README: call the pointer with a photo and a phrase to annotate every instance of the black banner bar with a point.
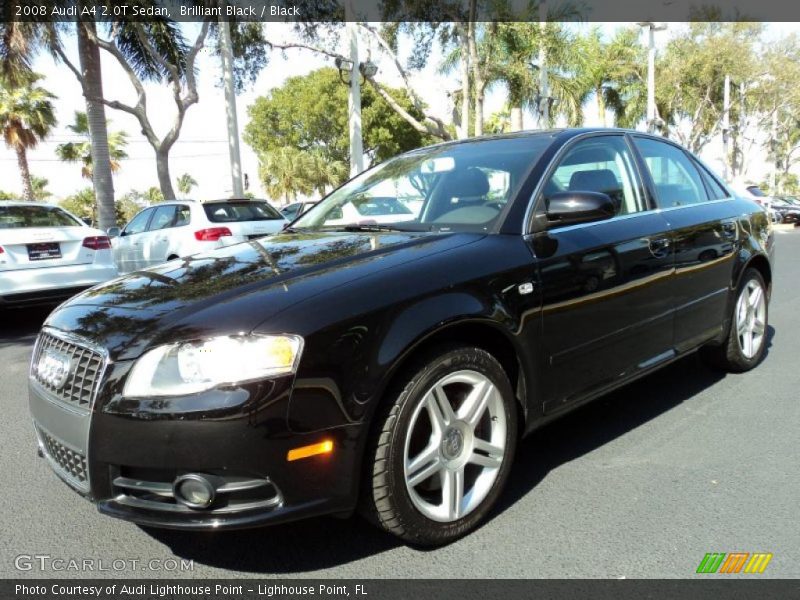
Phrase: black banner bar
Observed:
(400, 10)
(392, 589)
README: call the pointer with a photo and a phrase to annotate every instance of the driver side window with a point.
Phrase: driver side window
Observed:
(139, 223)
(599, 164)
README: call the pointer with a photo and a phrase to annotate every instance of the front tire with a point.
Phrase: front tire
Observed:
(443, 447)
(746, 343)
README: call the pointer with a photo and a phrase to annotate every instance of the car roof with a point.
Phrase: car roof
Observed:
(27, 203)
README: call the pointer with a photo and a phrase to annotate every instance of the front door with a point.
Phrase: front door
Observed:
(606, 294)
(127, 247)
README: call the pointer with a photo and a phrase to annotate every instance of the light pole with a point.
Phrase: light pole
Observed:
(237, 189)
(726, 126)
(651, 28)
(544, 92)
(350, 73)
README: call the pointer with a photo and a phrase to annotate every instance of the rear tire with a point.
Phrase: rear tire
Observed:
(442, 447)
(746, 343)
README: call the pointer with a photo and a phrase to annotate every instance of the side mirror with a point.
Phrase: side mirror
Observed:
(113, 232)
(569, 208)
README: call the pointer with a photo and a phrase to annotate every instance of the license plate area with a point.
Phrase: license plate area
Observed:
(44, 251)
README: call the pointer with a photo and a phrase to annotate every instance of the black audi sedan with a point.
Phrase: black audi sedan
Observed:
(390, 365)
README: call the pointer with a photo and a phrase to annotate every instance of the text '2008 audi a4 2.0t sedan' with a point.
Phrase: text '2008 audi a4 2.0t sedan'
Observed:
(392, 367)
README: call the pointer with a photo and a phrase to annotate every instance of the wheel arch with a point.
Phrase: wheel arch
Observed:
(480, 333)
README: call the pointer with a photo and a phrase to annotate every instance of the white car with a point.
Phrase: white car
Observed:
(47, 254)
(180, 228)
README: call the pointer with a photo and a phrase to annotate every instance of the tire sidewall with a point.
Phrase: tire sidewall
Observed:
(417, 526)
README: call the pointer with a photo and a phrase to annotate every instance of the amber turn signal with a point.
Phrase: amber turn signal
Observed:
(325, 447)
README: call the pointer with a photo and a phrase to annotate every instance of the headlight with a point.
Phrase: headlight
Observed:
(191, 367)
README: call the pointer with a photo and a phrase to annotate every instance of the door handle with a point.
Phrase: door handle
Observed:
(659, 247)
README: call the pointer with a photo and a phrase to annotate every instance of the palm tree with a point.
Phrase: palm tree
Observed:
(27, 116)
(82, 151)
(325, 173)
(39, 185)
(285, 173)
(185, 183)
(613, 71)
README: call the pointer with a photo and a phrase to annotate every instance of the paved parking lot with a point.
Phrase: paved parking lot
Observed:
(639, 484)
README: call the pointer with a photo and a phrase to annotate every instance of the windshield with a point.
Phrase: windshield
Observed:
(13, 217)
(756, 191)
(246, 210)
(458, 187)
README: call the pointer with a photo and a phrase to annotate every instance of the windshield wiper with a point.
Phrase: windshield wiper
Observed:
(369, 227)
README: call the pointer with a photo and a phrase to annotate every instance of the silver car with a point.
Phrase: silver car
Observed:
(180, 228)
(47, 254)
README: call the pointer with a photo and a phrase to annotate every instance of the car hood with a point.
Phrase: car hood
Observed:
(235, 288)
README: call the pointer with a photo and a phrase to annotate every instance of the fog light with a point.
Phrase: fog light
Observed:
(194, 491)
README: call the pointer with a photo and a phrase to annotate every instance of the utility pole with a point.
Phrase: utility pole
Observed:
(726, 126)
(544, 92)
(354, 97)
(237, 190)
(651, 28)
(773, 179)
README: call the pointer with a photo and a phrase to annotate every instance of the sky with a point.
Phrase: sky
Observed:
(202, 150)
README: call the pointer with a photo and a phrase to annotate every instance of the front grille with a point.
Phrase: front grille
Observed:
(70, 464)
(86, 369)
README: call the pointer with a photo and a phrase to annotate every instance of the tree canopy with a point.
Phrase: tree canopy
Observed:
(310, 113)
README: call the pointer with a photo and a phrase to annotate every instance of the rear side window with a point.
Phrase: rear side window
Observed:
(230, 212)
(677, 181)
(715, 190)
(183, 216)
(17, 217)
(162, 218)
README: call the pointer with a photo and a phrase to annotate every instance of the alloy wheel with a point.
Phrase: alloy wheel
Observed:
(455, 445)
(751, 310)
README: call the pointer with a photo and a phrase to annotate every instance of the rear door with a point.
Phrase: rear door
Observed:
(706, 236)
(606, 294)
(128, 246)
(157, 242)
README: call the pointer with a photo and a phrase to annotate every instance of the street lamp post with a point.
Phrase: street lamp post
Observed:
(651, 28)
(237, 190)
(544, 95)
(354, 104)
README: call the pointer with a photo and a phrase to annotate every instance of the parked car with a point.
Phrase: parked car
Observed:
(393, 366)
(171, 230)
(757, 195)
(295, 209)
(788, 209)
(47, 254)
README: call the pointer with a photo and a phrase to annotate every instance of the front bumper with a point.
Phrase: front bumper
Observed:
(124, 454)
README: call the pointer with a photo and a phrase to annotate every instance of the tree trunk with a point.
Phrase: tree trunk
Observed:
(89, 55)
(22, 160)
(164, 180)
(479, 114)
(601, 106)
(516, 118)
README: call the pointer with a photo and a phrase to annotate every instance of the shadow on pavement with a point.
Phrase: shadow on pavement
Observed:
(21, 325)
(327, 542)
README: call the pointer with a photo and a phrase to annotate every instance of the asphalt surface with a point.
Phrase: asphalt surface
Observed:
(641, 483)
